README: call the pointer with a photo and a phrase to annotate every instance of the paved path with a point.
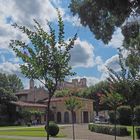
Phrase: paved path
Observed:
(81, 131)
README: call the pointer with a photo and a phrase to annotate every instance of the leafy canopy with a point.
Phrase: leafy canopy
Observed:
(72, 104)
(47, 57)
(9, 84)
(104, 16)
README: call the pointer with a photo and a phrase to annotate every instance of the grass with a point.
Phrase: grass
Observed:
(25, 131)
(9, 139)
(130, 128)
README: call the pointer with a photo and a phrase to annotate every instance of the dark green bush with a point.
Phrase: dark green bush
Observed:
(120, 131)
(53, 129)
(29, 124)
(125, 114)
(137, 115)
(112, 117)
(138, 132)
(108, 129)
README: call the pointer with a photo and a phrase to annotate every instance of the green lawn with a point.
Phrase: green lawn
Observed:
(25, 131)
(130, 128)
(9, 139)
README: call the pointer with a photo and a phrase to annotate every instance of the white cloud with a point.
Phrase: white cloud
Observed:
(82, 54)
(74, 20)
(117, 39)
(23, 13)
(112, 63)
(10, 68)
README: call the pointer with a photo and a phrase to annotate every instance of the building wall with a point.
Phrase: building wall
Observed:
(36, 94)
(87, 108)
(75, 83)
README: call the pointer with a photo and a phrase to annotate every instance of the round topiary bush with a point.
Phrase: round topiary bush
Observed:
(53, 129)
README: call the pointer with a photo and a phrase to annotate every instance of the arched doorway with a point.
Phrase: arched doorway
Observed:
(66, 117)
(85, 117)
(58, 117)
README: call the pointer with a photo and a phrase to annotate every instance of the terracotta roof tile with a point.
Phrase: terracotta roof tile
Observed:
(20, 103)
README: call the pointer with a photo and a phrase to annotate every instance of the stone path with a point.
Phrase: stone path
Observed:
(81, 131)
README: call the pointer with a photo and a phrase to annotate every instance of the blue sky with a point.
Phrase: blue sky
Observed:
(89, 56)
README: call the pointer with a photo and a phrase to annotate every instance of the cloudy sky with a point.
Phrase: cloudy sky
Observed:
(89, 57)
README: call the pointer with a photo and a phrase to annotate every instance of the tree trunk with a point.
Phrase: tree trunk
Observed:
(48, 117)
(115, 122)
(72, 116)
(133, 125)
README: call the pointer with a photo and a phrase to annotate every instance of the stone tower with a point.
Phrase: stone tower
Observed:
(83, 82)
(31, 84)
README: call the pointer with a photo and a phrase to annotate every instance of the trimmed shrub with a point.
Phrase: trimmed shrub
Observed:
(124, 115)
(138, 132)
(108, 129)
(53, 129)
(137, 114)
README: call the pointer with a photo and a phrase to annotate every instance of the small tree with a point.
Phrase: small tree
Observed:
(127, 83)
(46, 58)
(113, 100)
(72, 104)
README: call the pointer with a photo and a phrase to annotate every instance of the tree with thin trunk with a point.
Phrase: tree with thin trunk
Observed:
(46, 58)
(72, 104)
(127, 81)
(113, 100)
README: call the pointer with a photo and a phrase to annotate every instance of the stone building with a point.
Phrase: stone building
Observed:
(60, 114)
(33, 94)
(35, 99)
(74, 84)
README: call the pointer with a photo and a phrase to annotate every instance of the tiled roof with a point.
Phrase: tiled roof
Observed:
(57, 99)
(26, 91)
(26, 104)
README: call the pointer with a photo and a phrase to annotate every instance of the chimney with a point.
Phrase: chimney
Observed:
(31, 84)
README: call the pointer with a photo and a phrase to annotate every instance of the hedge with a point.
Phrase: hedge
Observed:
(108, 129)
(137, 115)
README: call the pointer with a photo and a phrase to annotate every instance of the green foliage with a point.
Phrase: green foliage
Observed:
(138, 132)
(102, 17)
(9, 84)
(25, 114)
(6, 96)
(72, 104)
(95, 92)
(14, 83)
(112, 99)
(125, 115)
(62, 93)
(112, 117)
(53, 129)
(108, 129)
(125, 84)
(47, 59)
